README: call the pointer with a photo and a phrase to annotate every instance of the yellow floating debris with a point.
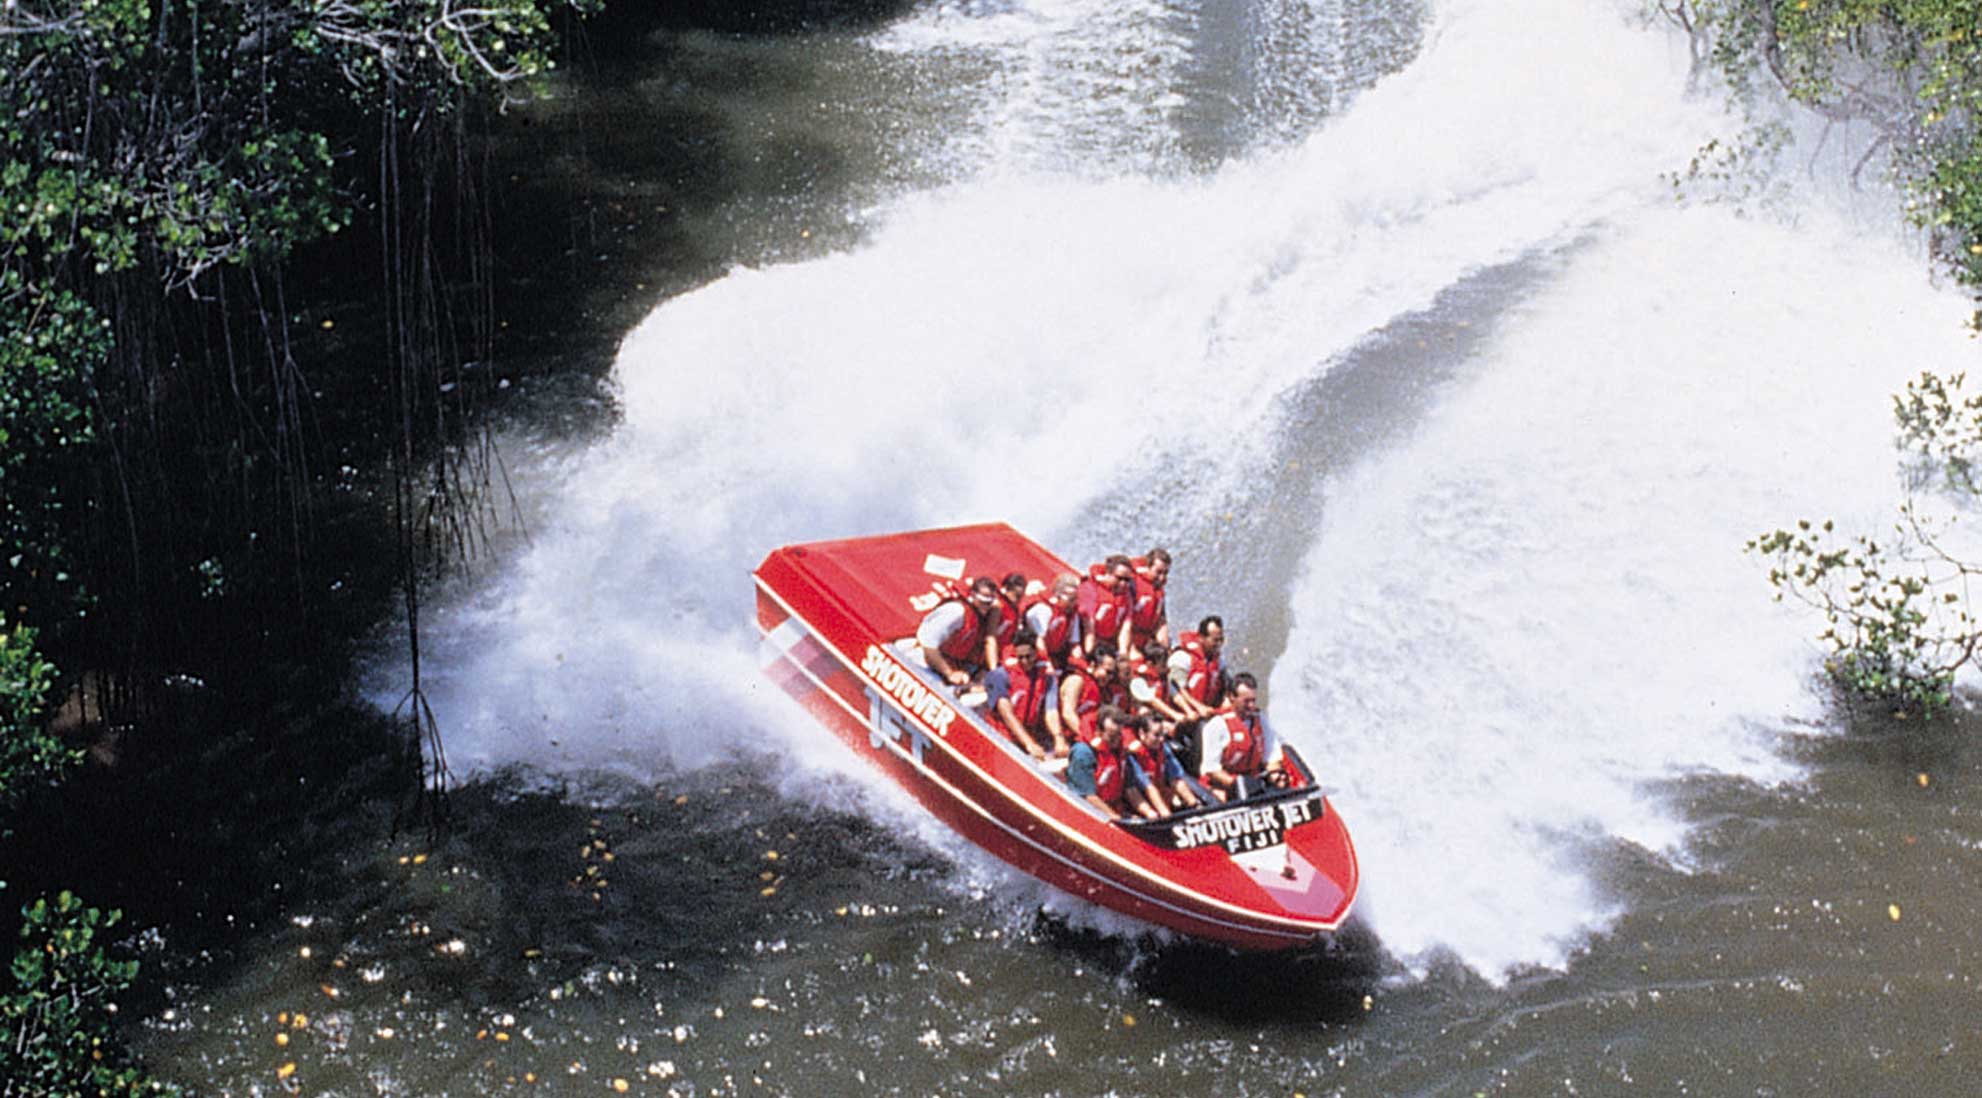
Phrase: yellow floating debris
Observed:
(529, 1076)
(329, 991)
(282, 1019)
(304, 953)
(286, 1070)
(300, 1021)
(481, 1035)
(770, 855)
(329, 324)
(1892, 912)
(1922, 779)
(769, 891)
(683, 799)
(1369, 1003)
(419, 859)
(1128, 1021)
(282, 1040)
(620, 1085)
(502, 1035)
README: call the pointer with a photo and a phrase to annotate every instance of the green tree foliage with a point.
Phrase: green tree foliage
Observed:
(30, 757)
(49, 341)
(161, 161)
(1911, 71)
(1899, 614)
(56, 1006)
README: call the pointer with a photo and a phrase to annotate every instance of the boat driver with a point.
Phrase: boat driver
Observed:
(956, 636)
(1239, 746)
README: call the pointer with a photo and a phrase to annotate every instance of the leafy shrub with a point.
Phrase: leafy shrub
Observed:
(56, 1010)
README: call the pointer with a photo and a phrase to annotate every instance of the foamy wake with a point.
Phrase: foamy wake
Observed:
(1509, 626)
(1516, 624)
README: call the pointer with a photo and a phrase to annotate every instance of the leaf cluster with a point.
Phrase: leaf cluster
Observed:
(55, 1011)
(30, 756)
(1899, 615)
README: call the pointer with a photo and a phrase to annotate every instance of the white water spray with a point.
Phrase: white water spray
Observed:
(1509, 624)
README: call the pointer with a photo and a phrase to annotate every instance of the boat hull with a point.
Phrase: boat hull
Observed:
(1272, 877)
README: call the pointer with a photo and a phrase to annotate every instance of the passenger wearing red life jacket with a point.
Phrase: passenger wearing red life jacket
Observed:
(957, 637)
(1197, 671)
(1095, 766)
(1145, 680)
(1087, 686)
(1155, 783)
(1106, 596)
(1054, 618)
(1011, 592)
(1022, 693)
(1238, 744)
(1149, 619)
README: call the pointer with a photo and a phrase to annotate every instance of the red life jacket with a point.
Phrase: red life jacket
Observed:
(1115, 694)
(1134, 748)
(1059, 634)
(966, 645)
(1090, 691)
(1008, 622)
(1108, 771)
(1028, 690)
(1104, 610)
(1145, 606)
(1202, 683)
(1245, 746)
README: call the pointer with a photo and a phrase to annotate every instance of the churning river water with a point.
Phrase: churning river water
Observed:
(1383, 317)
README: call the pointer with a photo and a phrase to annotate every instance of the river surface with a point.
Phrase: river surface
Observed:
(1384, 318)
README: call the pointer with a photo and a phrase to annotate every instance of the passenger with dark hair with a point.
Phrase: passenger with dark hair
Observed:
(1085, 687)
(1239, 745)
(1011, 592)
(1105, 598)
(1197, 669)
(1021, 694)
(1154, 770)
(957, 637)
(1095, 765)
(1144, 679)
(1054, 617)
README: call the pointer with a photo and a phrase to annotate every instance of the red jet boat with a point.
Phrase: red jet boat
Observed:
(1274, 871)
